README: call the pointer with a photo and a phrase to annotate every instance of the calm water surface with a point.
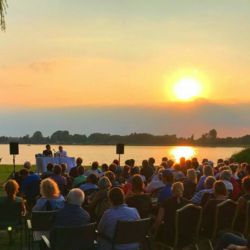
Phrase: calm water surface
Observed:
(106, 154)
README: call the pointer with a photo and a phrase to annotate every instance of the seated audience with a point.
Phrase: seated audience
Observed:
(166, 214)
(166, 192)
(209, 182)
(220, 195)
(81, 178)
(29, 187)
(156, 183)
(146, 170)
(49, 171)
(107, 225)
(94, 169)
(225, 177)
(72, 214)
(207, 171)
(241, 215)
(100, 202)
(112, 179)
(59, 179)
(11, 189)
(74, 171)
(190, 184)
(138, 199)
(91, 183)
(51, 199)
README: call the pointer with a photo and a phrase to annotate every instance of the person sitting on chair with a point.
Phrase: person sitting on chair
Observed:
(137, 197)
(166, 214)
(47, 152)
(51, 199)
(72, 214)
(11, 189)
(119, 212)
(61, 152)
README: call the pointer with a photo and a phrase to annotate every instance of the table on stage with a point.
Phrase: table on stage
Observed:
(42, 162)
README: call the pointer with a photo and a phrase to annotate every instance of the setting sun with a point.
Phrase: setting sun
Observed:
(187, 89)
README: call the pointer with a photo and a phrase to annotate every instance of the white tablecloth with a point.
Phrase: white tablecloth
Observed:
(42, 162)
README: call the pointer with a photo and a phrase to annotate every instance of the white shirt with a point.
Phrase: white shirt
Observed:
(61, 154)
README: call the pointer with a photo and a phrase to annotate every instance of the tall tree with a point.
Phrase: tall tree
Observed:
(3, 6)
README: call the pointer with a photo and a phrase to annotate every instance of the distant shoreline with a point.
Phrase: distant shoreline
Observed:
(143, 145)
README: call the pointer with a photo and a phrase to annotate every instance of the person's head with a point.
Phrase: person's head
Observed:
(182, 162)
(204, 161)
(104, 183)
(170, 163)
(164, 159)
(195, 163)
(76, 197)
(116, 196)
(11, 188)
(113, 167)
(167, 176)
(92, 178)
(80, 170)
(144, 163)
(110, 175)
(188, 164)
(105, 167)
(234, 167)
(49, 189)
(64, 167)
(132, 163)
(60, 148)
(126, 171)
(27, 165)
(226, 175)
(208, 170)
(220, 161)
(220, 189)
(178, 189)
(151, 161)
(95, 165)
(209, 182)
(192, 175)
(246, 184)
(57, 170)
(79, 161)
(116, 162)
(135, 170)
(164, 164)
(137, 184)
(177, 167)
(50, 167)
(48, 147)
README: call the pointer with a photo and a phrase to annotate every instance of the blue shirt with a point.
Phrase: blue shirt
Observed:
(56, 203)
(198, 196)
(108, 223)
(88, 186)
(30, 186)
(165, 193)
(72, 216)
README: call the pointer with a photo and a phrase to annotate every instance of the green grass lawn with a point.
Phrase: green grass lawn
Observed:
(5, 172)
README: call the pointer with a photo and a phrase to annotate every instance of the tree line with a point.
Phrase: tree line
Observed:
(64, 137)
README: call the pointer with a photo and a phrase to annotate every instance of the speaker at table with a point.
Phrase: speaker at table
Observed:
(120, 149)
(14, 148)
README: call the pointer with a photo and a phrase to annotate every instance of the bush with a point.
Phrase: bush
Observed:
(242, 156)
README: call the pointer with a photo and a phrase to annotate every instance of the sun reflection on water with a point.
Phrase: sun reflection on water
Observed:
(187, 152)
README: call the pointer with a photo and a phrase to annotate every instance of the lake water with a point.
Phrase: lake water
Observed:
(106, 154)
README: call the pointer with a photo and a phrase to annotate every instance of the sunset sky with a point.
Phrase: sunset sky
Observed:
(111, 66)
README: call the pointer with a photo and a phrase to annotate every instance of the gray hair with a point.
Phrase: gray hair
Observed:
(76, 197)
(27, 165)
